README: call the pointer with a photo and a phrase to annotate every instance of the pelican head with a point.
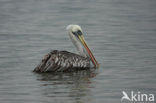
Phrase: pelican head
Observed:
(76, 35)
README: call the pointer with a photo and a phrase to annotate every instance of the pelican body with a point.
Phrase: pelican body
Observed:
(64, 61)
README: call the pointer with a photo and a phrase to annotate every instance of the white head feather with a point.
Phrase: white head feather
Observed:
(73, 28)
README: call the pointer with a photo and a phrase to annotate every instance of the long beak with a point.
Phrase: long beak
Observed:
(81, 38)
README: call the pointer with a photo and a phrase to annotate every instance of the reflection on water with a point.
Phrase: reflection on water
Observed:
(75, 85)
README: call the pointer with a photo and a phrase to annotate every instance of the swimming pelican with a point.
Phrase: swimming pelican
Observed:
(62, 61)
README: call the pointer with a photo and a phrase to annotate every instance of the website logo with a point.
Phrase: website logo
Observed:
(137, 97)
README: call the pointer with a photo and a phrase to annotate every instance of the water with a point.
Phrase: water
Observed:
(121, 34)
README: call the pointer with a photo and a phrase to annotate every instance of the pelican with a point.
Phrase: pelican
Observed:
(64, 61)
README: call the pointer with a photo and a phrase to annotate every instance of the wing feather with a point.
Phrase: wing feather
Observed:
(60, 61)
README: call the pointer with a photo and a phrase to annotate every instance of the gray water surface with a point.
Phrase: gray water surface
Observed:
(120, 33)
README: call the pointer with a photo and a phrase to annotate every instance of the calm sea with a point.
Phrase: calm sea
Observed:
(120, 33)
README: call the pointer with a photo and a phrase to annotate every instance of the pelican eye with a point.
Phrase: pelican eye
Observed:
(77, 33)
